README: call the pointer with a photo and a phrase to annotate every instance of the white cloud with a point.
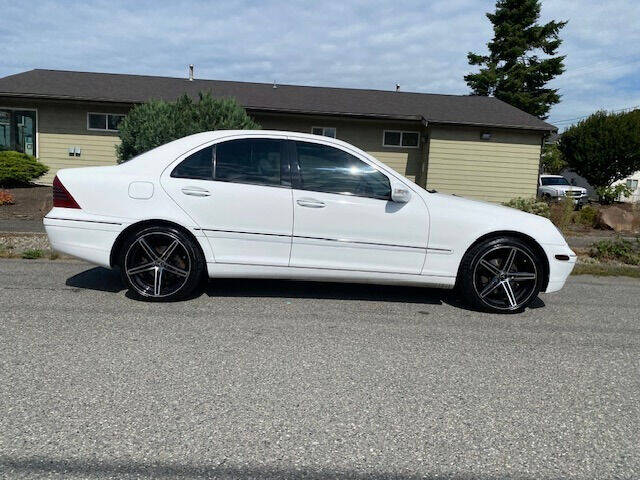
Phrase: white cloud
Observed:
(365, 44)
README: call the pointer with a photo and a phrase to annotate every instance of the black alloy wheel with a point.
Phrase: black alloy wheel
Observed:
(501, 275)
(161, 264)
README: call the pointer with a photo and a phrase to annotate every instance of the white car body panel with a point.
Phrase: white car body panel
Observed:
(263, 232)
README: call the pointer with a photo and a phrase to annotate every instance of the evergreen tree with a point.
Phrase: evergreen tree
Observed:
(514, 71)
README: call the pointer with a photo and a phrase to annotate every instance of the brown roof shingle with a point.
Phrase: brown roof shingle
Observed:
(434, 108)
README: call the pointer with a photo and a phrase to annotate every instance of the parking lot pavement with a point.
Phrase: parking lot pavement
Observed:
(265, 379)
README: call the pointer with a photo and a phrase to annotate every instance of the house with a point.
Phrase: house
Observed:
(633, 184)
(478, 147)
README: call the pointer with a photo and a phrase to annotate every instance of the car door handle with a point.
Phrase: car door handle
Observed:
(196, 191)
(310, 203)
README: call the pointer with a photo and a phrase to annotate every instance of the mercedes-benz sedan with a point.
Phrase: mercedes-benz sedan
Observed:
(271, 204)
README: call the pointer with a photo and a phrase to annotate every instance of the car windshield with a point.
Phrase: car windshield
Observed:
(554, 181)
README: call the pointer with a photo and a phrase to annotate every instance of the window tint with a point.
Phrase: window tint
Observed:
(198, 165)
(328, 169)
(255, 161)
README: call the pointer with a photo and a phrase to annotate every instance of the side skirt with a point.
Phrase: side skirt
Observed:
(230, 270)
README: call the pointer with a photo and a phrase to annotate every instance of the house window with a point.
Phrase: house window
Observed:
(324, 131)
(18, 130)
(632, 184)
(104, 121)
(397, 138)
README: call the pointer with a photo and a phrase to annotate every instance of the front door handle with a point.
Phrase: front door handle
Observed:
(196, 191)
(310, 203)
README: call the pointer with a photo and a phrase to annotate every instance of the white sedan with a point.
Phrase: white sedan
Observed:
(271, 204)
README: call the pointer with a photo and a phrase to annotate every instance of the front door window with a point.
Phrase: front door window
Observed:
(18, 131)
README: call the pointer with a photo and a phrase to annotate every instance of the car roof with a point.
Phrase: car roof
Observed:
(148, 161)
(551, 176)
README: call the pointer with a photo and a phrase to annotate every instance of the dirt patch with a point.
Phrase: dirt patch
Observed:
(31, 203)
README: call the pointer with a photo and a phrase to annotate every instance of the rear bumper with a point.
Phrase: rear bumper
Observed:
(84, 238)
(559, 269)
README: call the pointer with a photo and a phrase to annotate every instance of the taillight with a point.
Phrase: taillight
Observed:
(61, 196)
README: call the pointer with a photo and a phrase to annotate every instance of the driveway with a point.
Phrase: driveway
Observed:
(257, 379)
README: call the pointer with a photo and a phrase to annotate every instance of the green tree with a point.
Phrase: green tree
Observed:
(514, 71)
(552, 160)
(157, 122)
(603, 148)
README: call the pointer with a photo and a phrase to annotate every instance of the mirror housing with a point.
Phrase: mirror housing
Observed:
(400, 194)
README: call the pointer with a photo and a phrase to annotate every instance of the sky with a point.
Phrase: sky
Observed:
(421, 45)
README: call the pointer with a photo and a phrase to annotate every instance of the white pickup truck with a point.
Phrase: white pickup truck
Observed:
(556, 187)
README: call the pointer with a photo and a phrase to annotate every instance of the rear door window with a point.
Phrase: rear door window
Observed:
(254, 161)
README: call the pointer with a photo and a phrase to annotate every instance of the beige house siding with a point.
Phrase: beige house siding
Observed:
(96, 150)
(364, 134)
(61, 125)
(496, 170)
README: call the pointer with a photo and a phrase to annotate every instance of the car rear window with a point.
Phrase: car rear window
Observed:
(198, 165)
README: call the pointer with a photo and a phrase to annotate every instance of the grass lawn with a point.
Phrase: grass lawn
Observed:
(606, 270)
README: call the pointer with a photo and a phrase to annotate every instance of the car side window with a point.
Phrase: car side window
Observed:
(255, 161)
(331, 170)
(198, 165)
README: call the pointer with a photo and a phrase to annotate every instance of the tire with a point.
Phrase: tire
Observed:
(500, 275)
(160, 264)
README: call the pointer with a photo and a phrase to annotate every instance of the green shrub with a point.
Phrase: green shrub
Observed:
(32, 253)
(610, 194)
(158, 122)
(19, 169)
(620, 250)
(529, 205)
(588, 216)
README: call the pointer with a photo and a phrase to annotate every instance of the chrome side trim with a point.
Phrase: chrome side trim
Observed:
(341, 240)
(439, 250)
(78, 220)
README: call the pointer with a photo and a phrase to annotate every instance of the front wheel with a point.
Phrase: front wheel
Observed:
(501, 275)
(160, 264)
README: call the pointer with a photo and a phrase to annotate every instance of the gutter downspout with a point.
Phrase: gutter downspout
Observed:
(425, 154)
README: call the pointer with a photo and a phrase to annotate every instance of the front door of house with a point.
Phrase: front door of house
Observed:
(18, 130)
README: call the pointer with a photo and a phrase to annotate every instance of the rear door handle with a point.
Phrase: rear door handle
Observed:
(196, 191)
(311, 203)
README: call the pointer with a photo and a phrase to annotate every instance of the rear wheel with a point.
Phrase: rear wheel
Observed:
(160, 264)
(501, 275)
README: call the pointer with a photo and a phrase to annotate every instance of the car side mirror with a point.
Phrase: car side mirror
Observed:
(400, 194)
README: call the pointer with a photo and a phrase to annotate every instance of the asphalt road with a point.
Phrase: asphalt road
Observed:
(18, 225)
(265, 379)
